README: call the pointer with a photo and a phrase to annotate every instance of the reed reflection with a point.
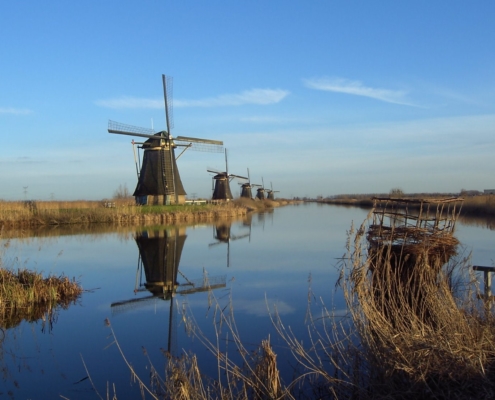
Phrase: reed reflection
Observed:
(160, 251)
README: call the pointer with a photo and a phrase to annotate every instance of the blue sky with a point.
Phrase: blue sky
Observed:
(315, 97)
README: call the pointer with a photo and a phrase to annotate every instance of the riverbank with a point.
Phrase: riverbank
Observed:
(475, 206)
(123, 212)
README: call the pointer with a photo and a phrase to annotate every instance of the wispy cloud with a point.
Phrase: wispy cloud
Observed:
(253, 96)
(347, 86)
(15, 111)
(262, 120)
(130, 102)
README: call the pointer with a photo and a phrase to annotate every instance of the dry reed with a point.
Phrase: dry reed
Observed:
(27, 295)
(122, 212)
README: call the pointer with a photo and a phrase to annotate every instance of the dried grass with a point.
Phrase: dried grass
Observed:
(27, 295)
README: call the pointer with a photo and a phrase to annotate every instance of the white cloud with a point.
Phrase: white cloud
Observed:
(15, 111)
(130, 102)
(253, 96)
(342, 85)
(262, 120)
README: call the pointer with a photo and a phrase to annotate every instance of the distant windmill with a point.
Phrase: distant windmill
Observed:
(246, 188)
(270, 194)
(158, 178)
(260, 192)
(223, 235)
(159, 257)
(221, 182)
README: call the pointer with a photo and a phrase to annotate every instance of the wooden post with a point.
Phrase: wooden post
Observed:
(487, 279)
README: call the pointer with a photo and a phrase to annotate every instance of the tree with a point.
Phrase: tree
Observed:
(122, 192)
(396, 192)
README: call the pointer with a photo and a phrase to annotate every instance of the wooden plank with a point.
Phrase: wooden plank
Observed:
(482, 268)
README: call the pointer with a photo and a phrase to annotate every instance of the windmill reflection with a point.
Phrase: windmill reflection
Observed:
(222, 233)
(160, 251)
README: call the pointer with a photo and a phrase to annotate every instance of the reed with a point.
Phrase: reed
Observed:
(121, 212)
(27, 295)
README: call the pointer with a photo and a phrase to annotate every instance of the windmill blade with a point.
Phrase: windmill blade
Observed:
(212, 146)
(238, 176)
(199, 140)
(215, 243)
(119, 307)
(167, 97)
(226, 164)
(239, 236)
(203, 288)
(131, 130)
(214, 171)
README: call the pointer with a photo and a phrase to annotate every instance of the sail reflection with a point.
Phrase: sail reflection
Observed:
(223, 235)
(160, 252)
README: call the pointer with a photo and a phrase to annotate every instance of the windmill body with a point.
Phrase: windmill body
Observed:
(246, 188)
(221, 189)
(260, 193)
(159, 181)
(271, 193)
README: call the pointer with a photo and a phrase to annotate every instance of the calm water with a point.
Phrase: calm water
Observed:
(265, 262)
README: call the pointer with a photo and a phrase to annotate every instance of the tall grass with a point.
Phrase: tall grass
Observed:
(121, 212)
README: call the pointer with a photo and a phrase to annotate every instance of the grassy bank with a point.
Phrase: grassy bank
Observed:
(482, 205)
(121, 212)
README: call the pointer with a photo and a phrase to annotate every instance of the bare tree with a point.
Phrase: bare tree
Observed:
(122, 192)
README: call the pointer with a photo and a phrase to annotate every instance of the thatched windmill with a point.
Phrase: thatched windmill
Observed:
(159, 257)
(246, 188)
(221, 182)
(158, 177)
(271, 193)
(260, 192)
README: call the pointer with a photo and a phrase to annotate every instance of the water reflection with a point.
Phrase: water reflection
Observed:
(222, 233)
(160, 251)
(486, 222)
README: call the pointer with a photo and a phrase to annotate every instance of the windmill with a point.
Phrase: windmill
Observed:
(158, 177)
(270, 195)
(222, 233)
(159, 257)
(260, 192)
(246, 187)
(221, 182)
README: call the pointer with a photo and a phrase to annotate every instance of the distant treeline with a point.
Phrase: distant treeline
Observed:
(477, 205)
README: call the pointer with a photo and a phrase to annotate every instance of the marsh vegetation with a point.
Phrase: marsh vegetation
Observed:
(121, 212)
